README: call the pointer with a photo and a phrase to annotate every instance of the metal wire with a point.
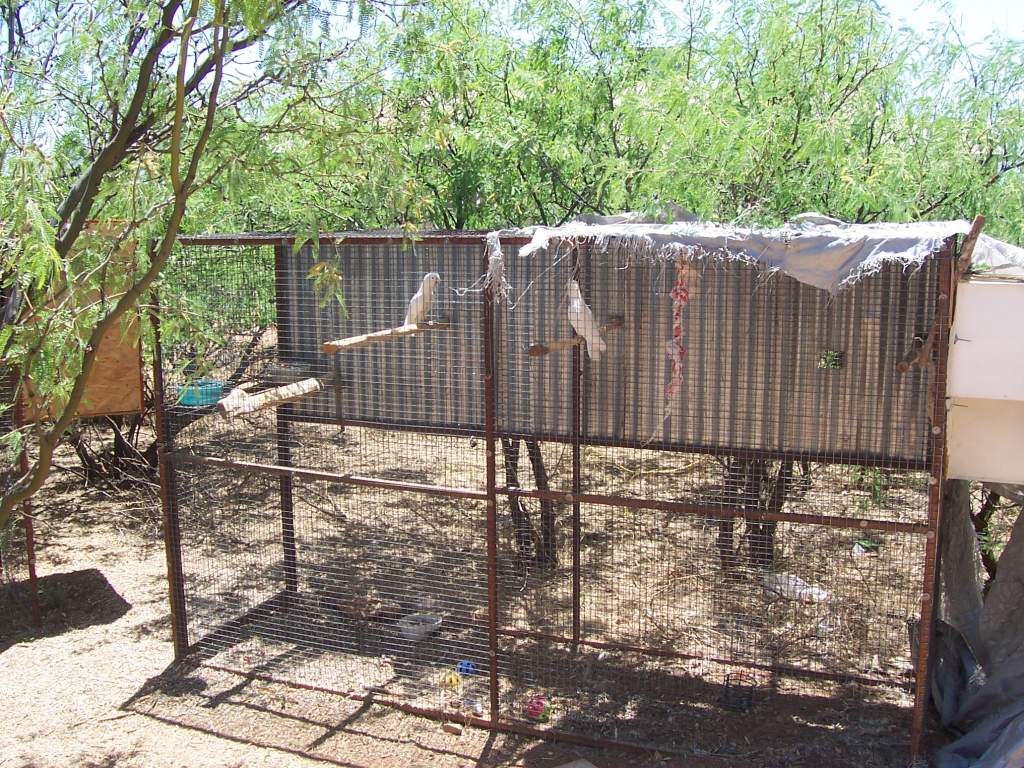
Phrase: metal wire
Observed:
(19, 598)
(750, 524)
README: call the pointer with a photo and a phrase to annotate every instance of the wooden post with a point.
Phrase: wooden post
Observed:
(284, 459)
(280, 396)
(169, 497)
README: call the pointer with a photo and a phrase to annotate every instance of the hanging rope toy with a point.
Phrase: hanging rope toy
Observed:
(495, 277)
(674, 347)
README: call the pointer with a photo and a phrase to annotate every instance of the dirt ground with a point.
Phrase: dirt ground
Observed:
(95, 686)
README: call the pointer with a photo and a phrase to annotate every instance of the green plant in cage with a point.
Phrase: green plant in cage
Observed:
(327, 282)
(873, 481)
(830, 360)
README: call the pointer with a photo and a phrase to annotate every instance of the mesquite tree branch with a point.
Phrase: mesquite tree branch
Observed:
(32, 480)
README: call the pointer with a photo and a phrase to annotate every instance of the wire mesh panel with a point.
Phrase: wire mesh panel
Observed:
(322, 595)
(19, 607)
(431, 380)
(710, 487)
(16, 587)
(269, 311)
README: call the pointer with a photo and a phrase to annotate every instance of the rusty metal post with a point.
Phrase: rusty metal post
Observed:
(936, 475)
(577, 375)
(168, 495)
(283, 436)
(492, 497)
(283, 427)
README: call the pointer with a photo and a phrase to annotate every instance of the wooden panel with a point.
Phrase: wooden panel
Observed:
(753, 374)
(114, 386)
(984, 359)
(986, 440)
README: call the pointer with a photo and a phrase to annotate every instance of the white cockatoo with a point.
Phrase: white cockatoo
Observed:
(583, 322)
(419, 306)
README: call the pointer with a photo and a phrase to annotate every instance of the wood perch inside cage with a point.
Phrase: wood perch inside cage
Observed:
(239, 402)
(365, 339)
(541, 348)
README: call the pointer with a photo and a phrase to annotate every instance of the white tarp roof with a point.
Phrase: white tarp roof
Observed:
(814, 249)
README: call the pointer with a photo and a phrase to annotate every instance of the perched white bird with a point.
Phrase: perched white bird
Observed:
(790, 587)
(583, 322)
(419, 306)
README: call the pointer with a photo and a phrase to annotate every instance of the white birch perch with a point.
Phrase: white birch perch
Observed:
(365, 339)
(559, 345)
(239, 401)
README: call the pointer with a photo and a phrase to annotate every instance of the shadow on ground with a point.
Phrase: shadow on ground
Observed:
(340, 731)
(67, 601)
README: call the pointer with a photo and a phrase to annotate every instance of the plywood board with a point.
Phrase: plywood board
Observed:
(114, 386)
(984, 350)
(986, 440)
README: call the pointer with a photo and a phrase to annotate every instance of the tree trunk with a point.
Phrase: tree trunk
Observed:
(1000, 618)
(732, 495)
(961, 585)
(761, 535)
(520, 518)
(547, 551)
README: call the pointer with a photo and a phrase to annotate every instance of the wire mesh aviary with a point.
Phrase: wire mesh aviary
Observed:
(678, 502)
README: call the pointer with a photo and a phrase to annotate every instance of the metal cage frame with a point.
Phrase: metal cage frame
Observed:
(172, 461)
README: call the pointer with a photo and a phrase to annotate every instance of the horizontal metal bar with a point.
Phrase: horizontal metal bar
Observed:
(673, 654)
(719, 511)
(345, 238)
(830, 457)
(179, 457)
(473, 430)
(504, 725)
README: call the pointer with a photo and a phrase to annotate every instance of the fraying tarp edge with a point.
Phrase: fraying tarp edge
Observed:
(815, 250)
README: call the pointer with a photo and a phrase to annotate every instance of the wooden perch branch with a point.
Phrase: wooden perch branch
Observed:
(239, 401)
(546, 347)
(365, 339)
(967, 248)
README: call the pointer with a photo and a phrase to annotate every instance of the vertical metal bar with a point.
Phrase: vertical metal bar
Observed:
(283, 418)
(284, 439)
(937, 463)
(577, 375)
(26, 521)
(168, 496)
(282, 305)
(492, 497)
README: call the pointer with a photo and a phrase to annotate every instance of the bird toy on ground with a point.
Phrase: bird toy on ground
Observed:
(465, 668)
(538, 708)
(420, 304)
(451, 679)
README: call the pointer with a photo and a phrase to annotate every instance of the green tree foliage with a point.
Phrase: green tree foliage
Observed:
(466, 114)
(116, 110)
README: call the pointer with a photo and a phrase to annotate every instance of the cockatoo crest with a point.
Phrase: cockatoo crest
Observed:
(419, 305)
(583, 322)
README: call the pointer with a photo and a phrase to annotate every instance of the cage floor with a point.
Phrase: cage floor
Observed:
(688, 706)
(683, 649)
